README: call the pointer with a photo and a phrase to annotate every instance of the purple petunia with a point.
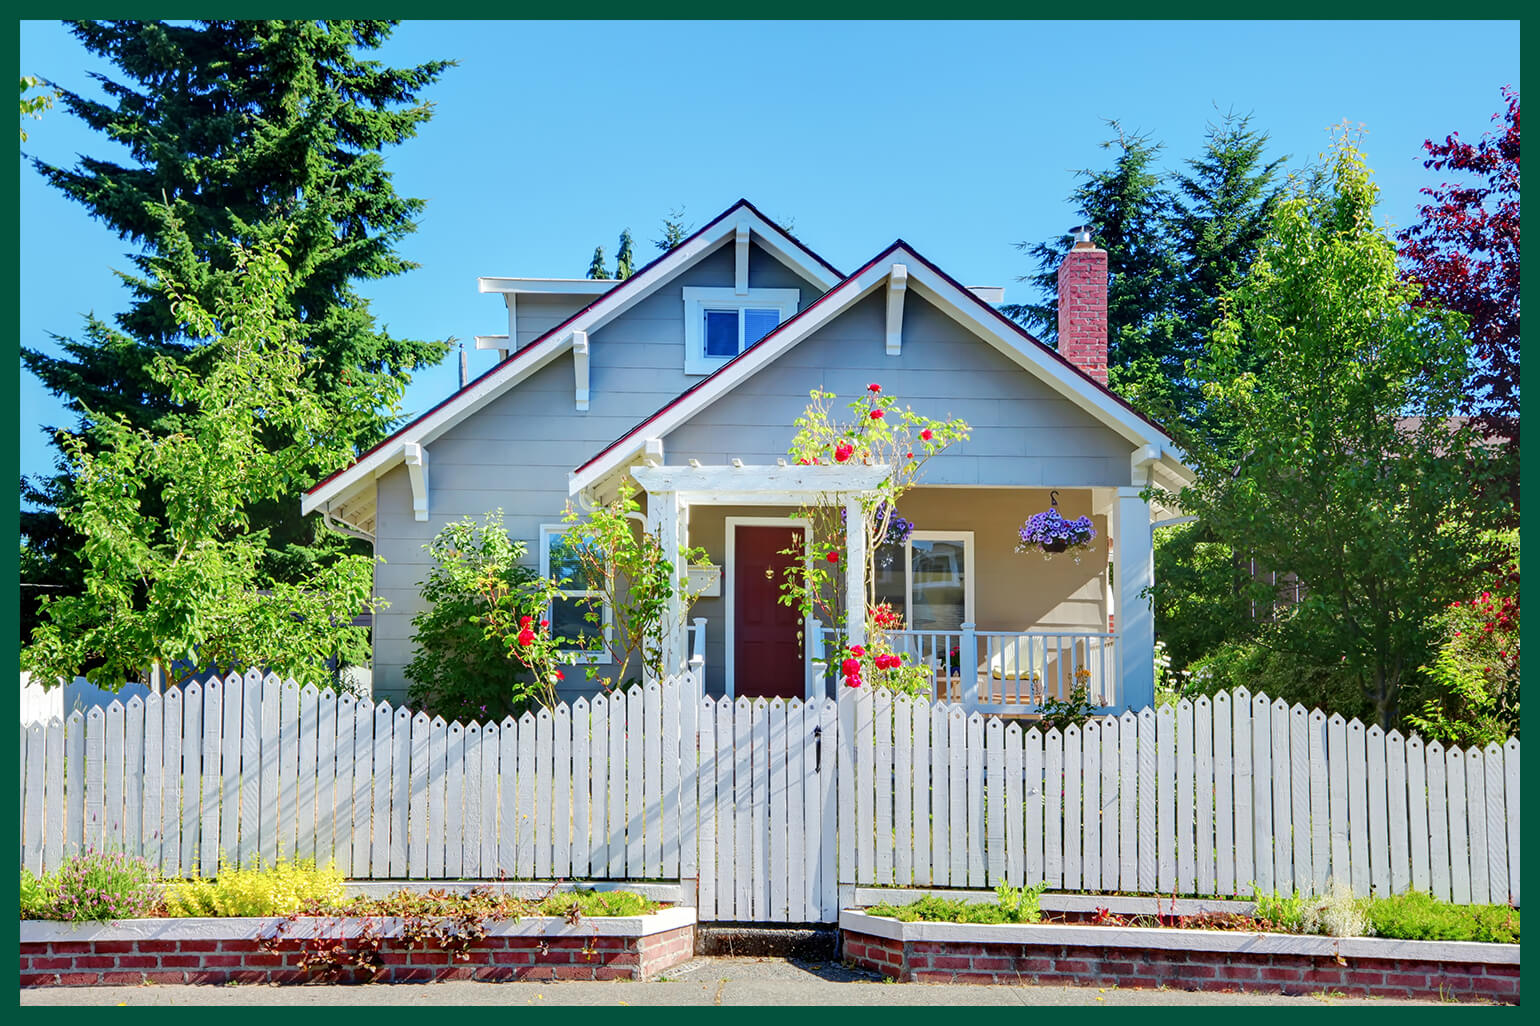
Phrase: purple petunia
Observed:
(1049, 526)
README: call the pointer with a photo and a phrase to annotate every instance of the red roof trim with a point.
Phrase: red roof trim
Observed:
(896, 245)
(527, 350)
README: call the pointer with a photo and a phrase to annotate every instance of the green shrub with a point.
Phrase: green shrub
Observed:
(1418, 916)
(597, 903)
(37, 895)
(1011, 905)
(98, 886)
(284, 887)
(1337, 914)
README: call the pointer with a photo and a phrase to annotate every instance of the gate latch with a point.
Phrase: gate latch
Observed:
(817, 748)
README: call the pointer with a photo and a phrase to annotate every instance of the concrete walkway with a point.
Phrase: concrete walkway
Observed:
(705, 981)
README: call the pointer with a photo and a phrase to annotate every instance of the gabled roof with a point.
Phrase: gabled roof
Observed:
(993, 327)
(604, 308)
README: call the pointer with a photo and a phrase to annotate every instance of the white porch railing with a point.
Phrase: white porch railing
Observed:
(1012, 672)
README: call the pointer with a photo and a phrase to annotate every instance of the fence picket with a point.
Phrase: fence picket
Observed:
(1165, 799)
(674, 758)
(454, 801)
(706, 805)
(797, 835)
(1320, 817)
(229, 740)
(368, 749)
(778, 908)
(561, 793)
(267, 776)
(1417, 812)
(1438, 820)
(743, 810)
(651, 816)
(91, 807)
(1015, 862)
(55, 800)
(903, 790)
(348, 758)
(1459, 828)
(133, 775)
(399, 779)
(326, 776)
(1203, 766)
(1282, 798)
(599, 779)
(976, 825)
(1303, 874)
(1186, 749)
(865, 767)
(34, 757)
(1497, 835)
(1091, 796)
(919, 792)
(305, 816)
(1476, 822)
(1395, 794)
(635, 780)
(1241, 791)
(957, 819)
(487, 804)
(1148, 761)
(882, 777)
(170, 783)
(759, 793)
(1511, 803)
(1379, 833)
(1224, 797)
(941, 793)
(508, 799)
(1356, 780)
(192, 776)
(250, 847)
(528, 790)
(725, 759)
(582, 765)
(416, 834)
(112, 789)
(1262, 792)
(995, 814)
(1036, 832)
(1053, 813)
(828, 881)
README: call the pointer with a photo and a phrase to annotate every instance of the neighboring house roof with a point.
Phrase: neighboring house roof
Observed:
(476, 394)
(936, 285)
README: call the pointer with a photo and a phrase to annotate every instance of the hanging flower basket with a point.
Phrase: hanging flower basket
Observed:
(1048, 532)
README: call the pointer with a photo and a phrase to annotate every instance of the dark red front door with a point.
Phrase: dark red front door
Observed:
(767, 657)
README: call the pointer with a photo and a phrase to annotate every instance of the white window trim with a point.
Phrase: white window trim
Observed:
(966, 537)
(730, 527)
(697, 300)
(547, 532)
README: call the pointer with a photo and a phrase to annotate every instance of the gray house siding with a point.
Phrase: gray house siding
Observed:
(1024, 432)
(516, 452)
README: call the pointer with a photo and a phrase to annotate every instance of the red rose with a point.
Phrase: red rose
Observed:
(850, 667)
(857, 650)
(875, 414)
(544, 624)
(874, 388)
(833, 557)
(526, 638)
(525, 621)
(843, 452)
(852, 682)
(560, 675)
(927, 434)
(909, 455)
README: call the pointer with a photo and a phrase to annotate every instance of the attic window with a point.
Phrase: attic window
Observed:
(720, 323)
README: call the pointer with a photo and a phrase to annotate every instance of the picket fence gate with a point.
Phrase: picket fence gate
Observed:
(774, 808)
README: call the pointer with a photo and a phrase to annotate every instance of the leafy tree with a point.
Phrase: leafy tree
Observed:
(1315, 468)
(457, 671)
(249, 131)
(33, 106)
(675, 231)
(624, 256)
(1465, 253)
(181, 583)
(596, 268)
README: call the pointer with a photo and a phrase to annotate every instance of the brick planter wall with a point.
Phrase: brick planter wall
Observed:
(215, 951)
(1180, 959)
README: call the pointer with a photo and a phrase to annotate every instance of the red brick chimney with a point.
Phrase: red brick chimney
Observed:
(1083, 306)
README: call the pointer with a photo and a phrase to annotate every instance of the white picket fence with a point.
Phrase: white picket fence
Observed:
(1233, 796)
(772, 806)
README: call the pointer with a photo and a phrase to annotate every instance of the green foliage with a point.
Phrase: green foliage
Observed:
(38, 894)
(1337, 914)
(625, 256)
(97, 886)
(1320, 356)
(597, 903)
(250, 132)
(1011, 905)
(180, 581)
(1418, 916)
(596, 268)
(1469, 694)
(1201, 596)
(626, 571)
(674, 229)
(1073, 711)
(33, 106)
(1284, 662)
(280, 889)
(457, 671)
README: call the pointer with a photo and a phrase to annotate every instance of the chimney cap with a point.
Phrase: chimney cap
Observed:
(1081, 234)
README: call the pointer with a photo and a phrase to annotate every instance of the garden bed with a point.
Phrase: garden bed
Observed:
(276, 949)
(1193, 959)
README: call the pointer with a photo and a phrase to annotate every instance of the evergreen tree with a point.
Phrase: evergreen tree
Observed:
(596, 268)
(1128, 207)
(624, 256)
(243, 132)
(675, 231)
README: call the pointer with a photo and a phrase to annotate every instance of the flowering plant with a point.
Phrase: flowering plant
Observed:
(1049, 532)
(101, 886)
(878, 664)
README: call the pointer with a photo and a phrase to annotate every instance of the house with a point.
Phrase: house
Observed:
(684, 379)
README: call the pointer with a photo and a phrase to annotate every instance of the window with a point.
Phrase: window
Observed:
(719, 323)
(929, 580)
(569, 613)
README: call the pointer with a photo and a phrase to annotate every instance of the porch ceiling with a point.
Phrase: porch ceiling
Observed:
(759, 485)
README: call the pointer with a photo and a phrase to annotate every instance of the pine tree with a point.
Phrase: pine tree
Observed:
(596, 268)
(1128, 207)
(243, 132)
(624, 256)
(675, 231)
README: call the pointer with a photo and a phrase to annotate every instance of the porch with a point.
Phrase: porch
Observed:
(998, 631)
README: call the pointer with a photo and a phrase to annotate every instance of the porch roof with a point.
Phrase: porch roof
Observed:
(777, 485)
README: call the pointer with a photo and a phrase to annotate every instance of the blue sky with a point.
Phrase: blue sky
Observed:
(960, 137)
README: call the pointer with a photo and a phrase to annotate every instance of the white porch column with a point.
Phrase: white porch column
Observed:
(1134, 570)
(855, 573)
(663, 507)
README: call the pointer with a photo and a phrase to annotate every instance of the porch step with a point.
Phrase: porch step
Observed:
(811, 941)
